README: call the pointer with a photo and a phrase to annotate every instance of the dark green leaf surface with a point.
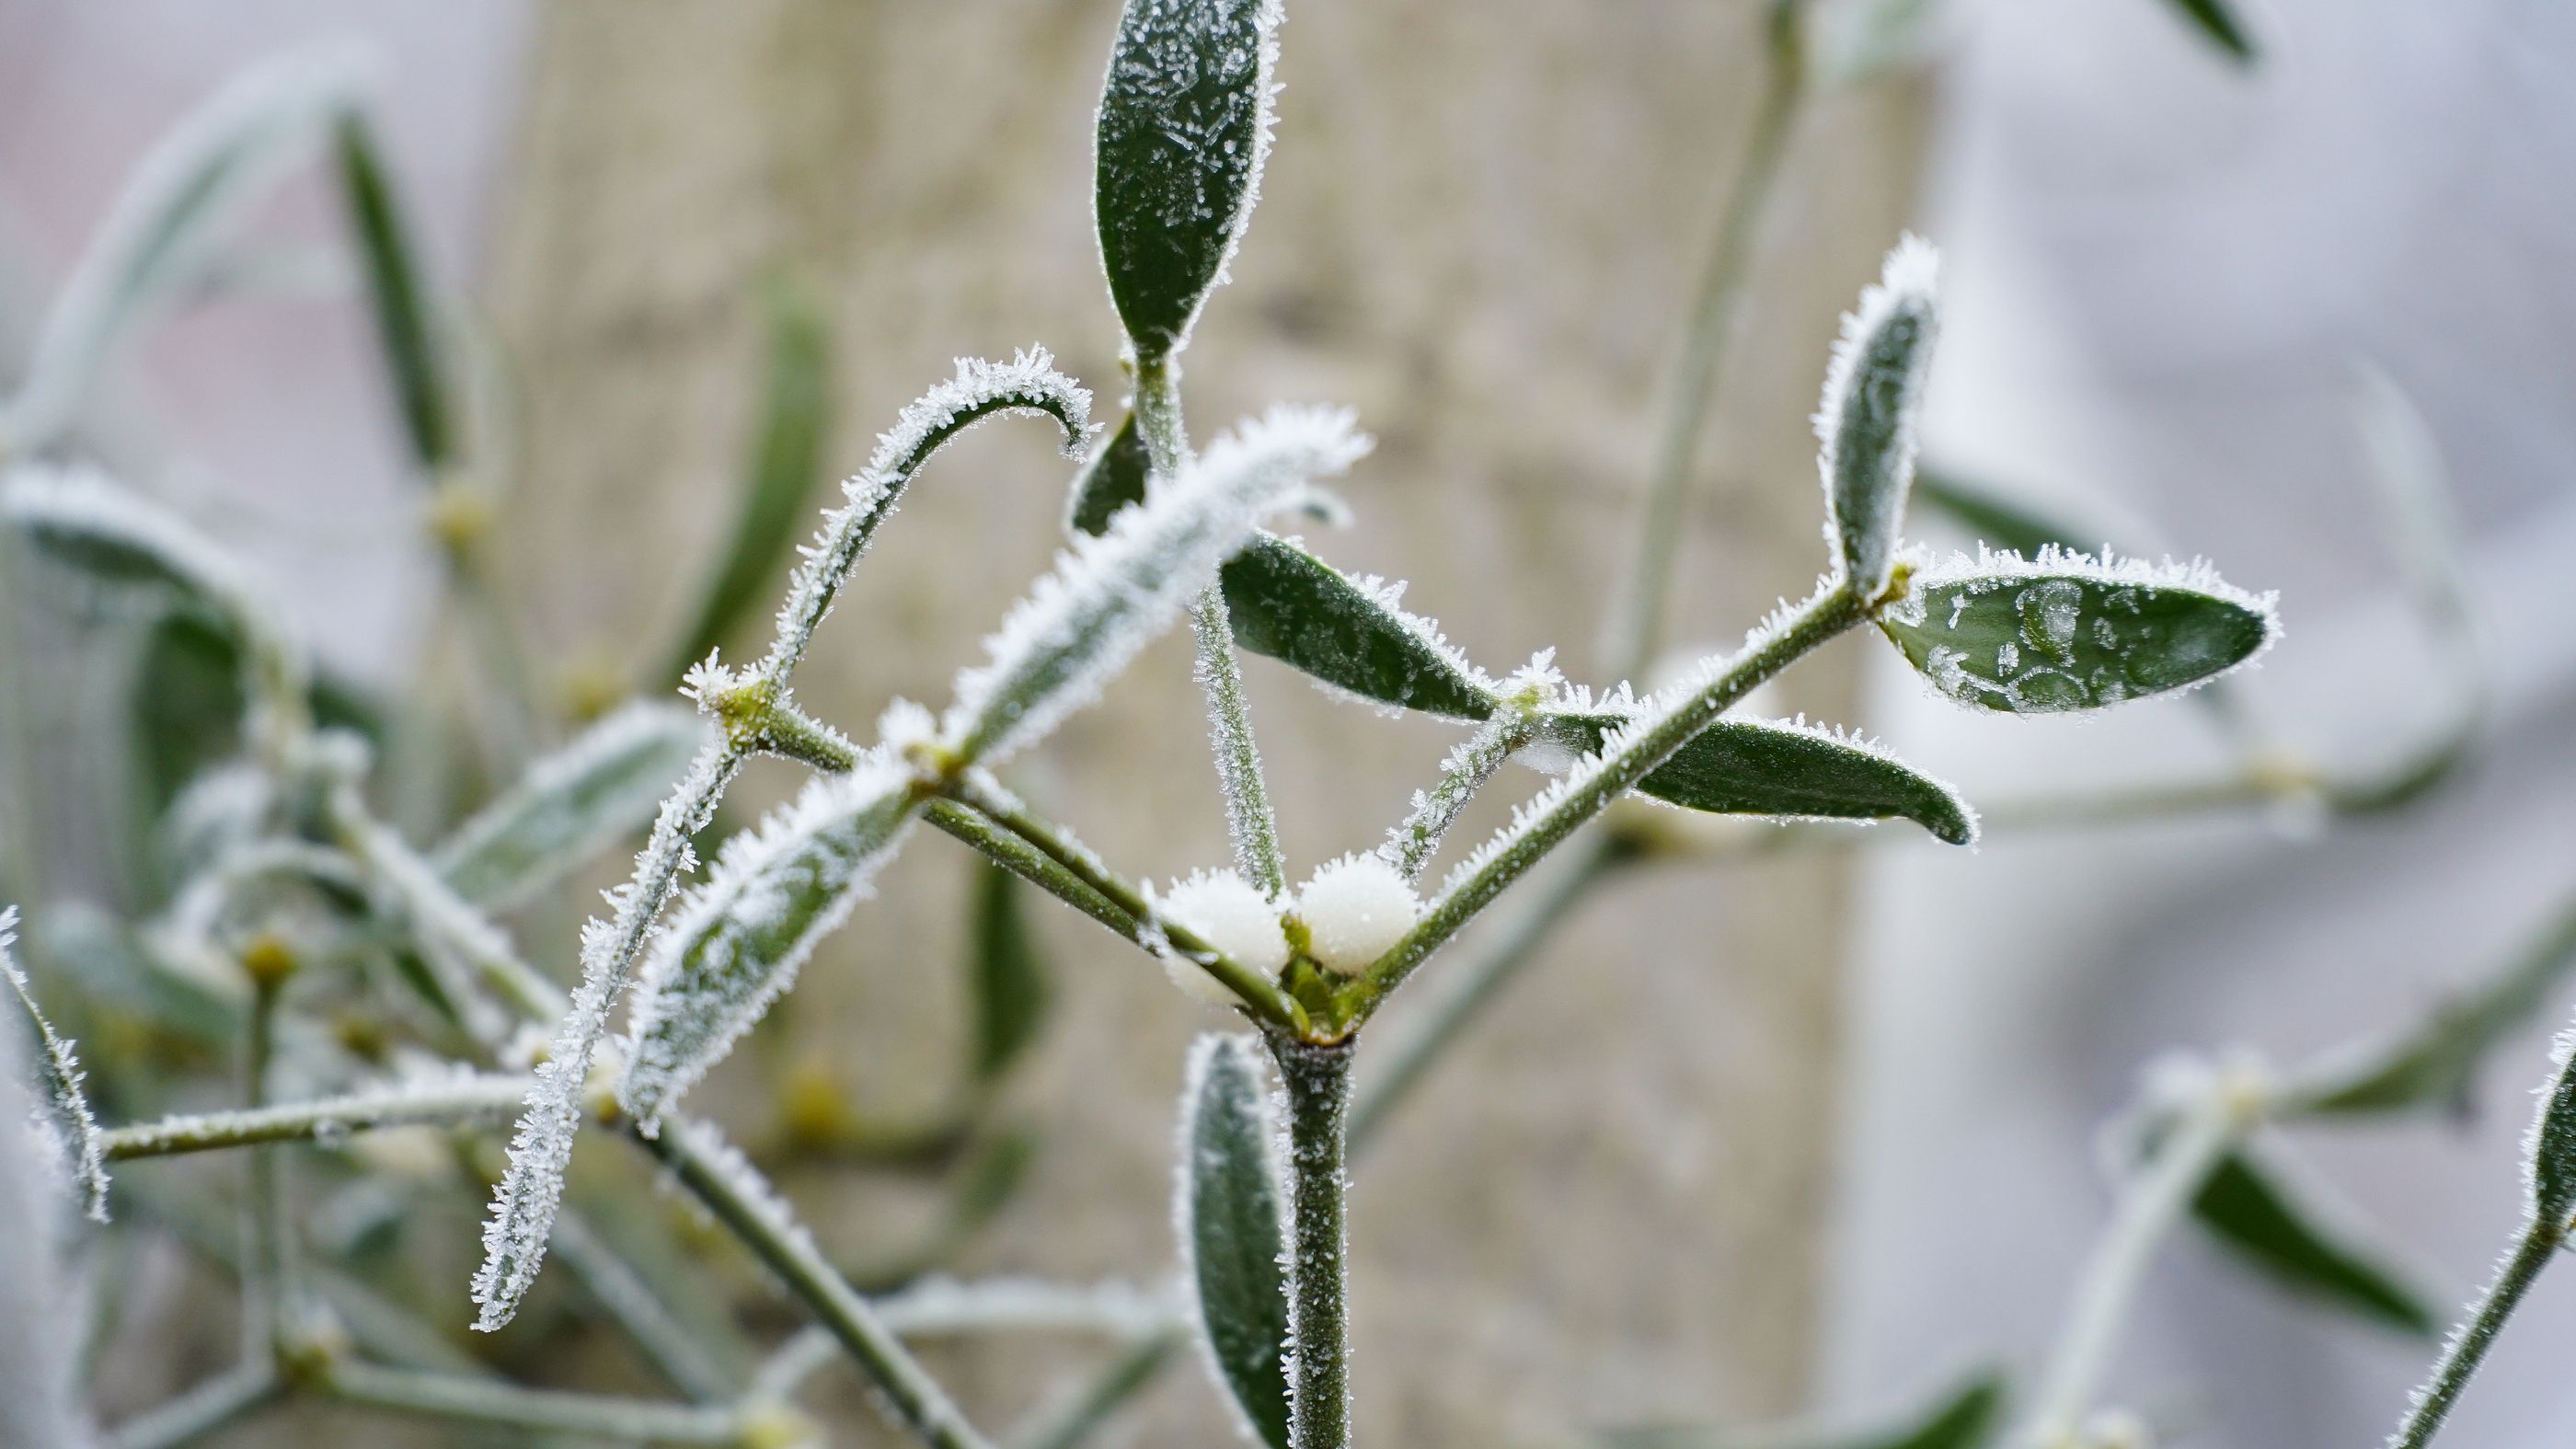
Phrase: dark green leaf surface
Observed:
(2044, 637)
(1994, 521)
(1968, 1418)
(1299, 610)
(2246, 1205)
(2436, 1064)
(1183, 117)
(1872, 395)
(2553, 1150)
(786, 465)
(2218, 20)
(1744, 767)
(1011, 989)
(188, 704)
(1231, 1226)
(602, 788)
(406, 322)
(1114, 478)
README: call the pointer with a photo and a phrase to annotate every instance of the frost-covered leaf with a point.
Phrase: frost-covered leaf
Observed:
(786, 465)
(1012, 993)
(168, 223)
(407, 322)
(601, 788)
(1232, 1235)
(2549, 1165)
(1114, 478)
(1785, 769)
(1108, 595)
(1353, 634)
(2436, 1063)
(80, 519)
(2247, 1205)
(2220, 21)
(2065, 631)
(1873, 395)
(1968, 1417)
(734, 944)
(66, 1120)
(1184, 128)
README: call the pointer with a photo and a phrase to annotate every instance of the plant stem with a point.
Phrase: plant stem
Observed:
(1465, 772)
(1249, 819)
(981, 791)
(202, 1410)
(476, 1401)
(265, 1250)
(1030, 864)
(1317, 1083)
(1126, 1376)
(1830, 612)
(1705, 338)
(2541, 1240)
(2152, 1200)
(468, 1099)
(744, 1204)
(1477, 988)
(697, 1369)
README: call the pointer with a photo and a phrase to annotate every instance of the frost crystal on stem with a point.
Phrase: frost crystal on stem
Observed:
(65, 1121)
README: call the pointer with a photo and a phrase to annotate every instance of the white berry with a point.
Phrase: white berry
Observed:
(1354, 909)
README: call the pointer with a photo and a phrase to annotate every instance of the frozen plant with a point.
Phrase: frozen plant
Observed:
(357, 982)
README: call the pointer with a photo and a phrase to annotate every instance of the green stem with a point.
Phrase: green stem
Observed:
(1249, 819)
(1016, 855)
(1714, 307)
(1126, 1377)
(470, 1099)
(265, 1249)
(2153, 1200)
(1478, 987)
(1822, 617)
(477, 1401)
(1317, 1082)
(718, 1178)
(2468, 1347)
(210, 1406)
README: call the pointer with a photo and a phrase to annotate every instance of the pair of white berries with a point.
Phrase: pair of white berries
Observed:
(1353, 908)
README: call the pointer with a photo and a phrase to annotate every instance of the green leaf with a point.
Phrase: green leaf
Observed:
(1296, 608)
(187, 705)
(1967, 1418)
(1012, 993)
(1787, 771)
(2247, 1207)
(1114, 478)
(1232, 1233)
(735, 944)
(2552, 1166)
(2063, 632)
(2218, 20)
(2436, 1064)
(786, 467)
(603, 787)
(1873, 392)
(1184, 126)
(406, 322)
(1996, 521)
(166, 226)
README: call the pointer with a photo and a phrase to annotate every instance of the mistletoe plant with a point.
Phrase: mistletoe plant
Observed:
(290, 891)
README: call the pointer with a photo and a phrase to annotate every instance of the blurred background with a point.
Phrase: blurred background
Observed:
(1807, 1133)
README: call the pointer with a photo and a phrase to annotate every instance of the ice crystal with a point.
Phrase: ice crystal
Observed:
(63, 1119)
(1108, 595)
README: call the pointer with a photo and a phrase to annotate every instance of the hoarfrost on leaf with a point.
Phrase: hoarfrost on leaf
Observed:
(64, 1120)
(1867, 419)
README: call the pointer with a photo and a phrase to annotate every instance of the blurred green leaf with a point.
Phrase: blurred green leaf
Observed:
(1994, 520)
(187, 705)
(1114, 478)
(1296, 608)
(2059, 633)
(2436, 1063)
(2248, 1207)
(1745, 767)
(406, 321)
(1231, 1230)
(787, 464)
(603, 787)
(1967, 1418)
(2218, 20)
(1012, 993)
(1182, 130)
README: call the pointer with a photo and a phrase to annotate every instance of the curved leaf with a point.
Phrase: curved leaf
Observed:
(1184, 127)
(2247, 1207)
(2063, 632)
(2218, 20)
(1231, 1231)
(1790, 771)
(604, 786)
(1011, 989)
(1969, 1417)
(1114, 478)
(407, 325)
(1873, 391)
(734, 946)
(1353, 635)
